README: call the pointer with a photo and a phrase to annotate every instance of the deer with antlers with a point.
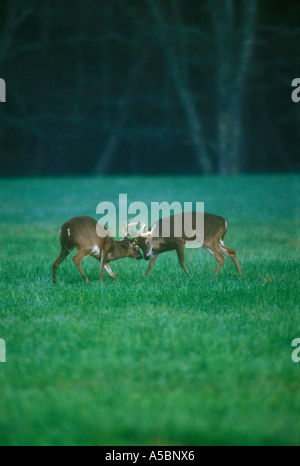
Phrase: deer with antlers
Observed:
(153, 243)
(92, 239)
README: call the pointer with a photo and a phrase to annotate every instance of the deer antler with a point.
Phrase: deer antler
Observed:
(143, 233)
(126, 226)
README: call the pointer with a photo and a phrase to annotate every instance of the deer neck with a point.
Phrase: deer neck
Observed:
(115, 252)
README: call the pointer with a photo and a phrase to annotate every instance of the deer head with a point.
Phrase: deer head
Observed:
(143, 237)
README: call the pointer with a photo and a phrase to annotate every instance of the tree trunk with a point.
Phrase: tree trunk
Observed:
(180, 77)
(104, 163)
(234, 53)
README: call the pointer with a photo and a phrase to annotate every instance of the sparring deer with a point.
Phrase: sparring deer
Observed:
(153, 243)
(93, 240)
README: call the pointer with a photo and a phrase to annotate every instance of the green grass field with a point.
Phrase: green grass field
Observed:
(163, 361)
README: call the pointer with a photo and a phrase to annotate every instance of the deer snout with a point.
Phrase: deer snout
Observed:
(147, 254)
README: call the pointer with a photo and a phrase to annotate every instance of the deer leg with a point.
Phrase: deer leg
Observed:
(218, 256)
(63, 254)
(153, 259)
(78, 258)
(110, 272)
(103, 265)
(220, 259)
(231, 253)
(181, 258)
(108, 269)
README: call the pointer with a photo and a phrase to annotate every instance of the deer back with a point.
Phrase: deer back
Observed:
(81, 232)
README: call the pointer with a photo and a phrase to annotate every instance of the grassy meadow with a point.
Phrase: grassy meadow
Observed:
(163, 361)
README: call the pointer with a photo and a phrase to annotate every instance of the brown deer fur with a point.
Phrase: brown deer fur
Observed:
(215, 228)
(81, 233)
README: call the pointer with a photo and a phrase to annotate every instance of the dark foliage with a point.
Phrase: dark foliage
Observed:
(148, 86)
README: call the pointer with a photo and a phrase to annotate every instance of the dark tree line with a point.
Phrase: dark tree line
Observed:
(148, 86)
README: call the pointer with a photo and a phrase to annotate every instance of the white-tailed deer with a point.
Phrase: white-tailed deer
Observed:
(153, 243)
(81, 233)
